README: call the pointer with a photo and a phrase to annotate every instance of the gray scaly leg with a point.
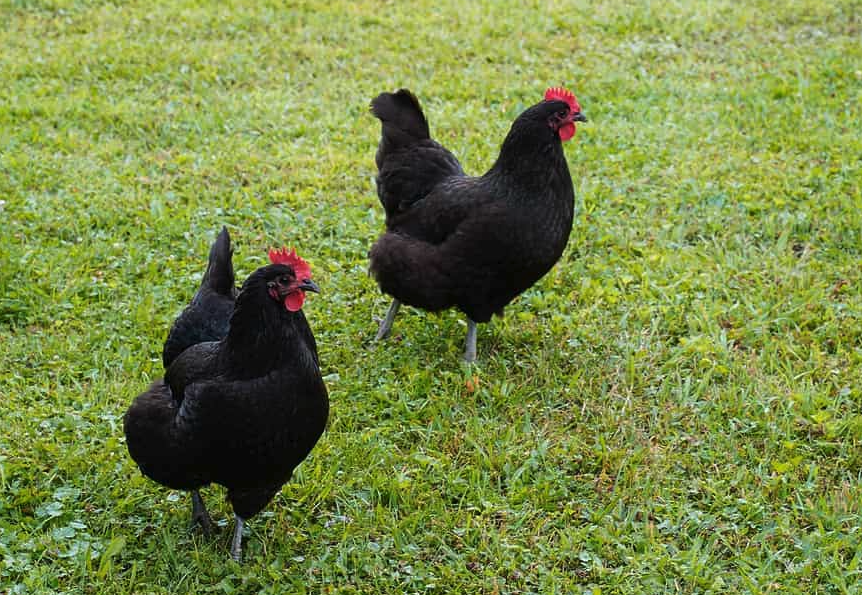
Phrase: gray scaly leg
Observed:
(386, 323)
(236, 544)
(200, 516)
(470, 347)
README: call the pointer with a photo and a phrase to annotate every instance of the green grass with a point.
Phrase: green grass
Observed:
(675, 408)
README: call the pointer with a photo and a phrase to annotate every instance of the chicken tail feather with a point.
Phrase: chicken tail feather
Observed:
(402, 118)
(219, 274)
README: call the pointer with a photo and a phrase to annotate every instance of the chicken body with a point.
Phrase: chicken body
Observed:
(242, 412)
(207, 317)
(473, 243)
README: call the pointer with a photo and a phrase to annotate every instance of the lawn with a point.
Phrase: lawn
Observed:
(675, 408)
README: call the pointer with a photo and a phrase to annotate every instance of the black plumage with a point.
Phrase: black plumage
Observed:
(473, 243)
(207, 317)
(243, 411)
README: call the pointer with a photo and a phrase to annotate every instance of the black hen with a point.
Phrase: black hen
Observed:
(207, 317)
(474, 243)
(244, 411)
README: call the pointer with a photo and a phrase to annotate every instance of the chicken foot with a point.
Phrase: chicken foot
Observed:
(386, 323)
(470, 344)
(236, 544)
(200, 515)
(386, 327)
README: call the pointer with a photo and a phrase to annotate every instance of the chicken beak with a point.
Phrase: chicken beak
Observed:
(579, 117)
(309, 285)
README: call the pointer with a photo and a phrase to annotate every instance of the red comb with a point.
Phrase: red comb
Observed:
(290, 258)
(563, 94)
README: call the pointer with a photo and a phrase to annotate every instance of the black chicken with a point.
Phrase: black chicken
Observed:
(244, 411)
(474, 243)
(207, 317)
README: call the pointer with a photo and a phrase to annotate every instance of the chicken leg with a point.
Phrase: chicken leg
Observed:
(386, 323)
(470, 346)
(200, 516)
(236, 544)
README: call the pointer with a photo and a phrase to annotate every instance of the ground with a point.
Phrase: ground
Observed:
(675, 408)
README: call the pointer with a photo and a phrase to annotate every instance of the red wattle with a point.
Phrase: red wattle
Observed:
(293, 302)
(566, 131)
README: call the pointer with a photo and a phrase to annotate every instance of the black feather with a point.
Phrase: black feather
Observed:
(408, 161)
(243, 411)
(473, 243)
(207, 317)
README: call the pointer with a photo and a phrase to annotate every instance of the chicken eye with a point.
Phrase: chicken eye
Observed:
(284, 280)
(562, 113)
